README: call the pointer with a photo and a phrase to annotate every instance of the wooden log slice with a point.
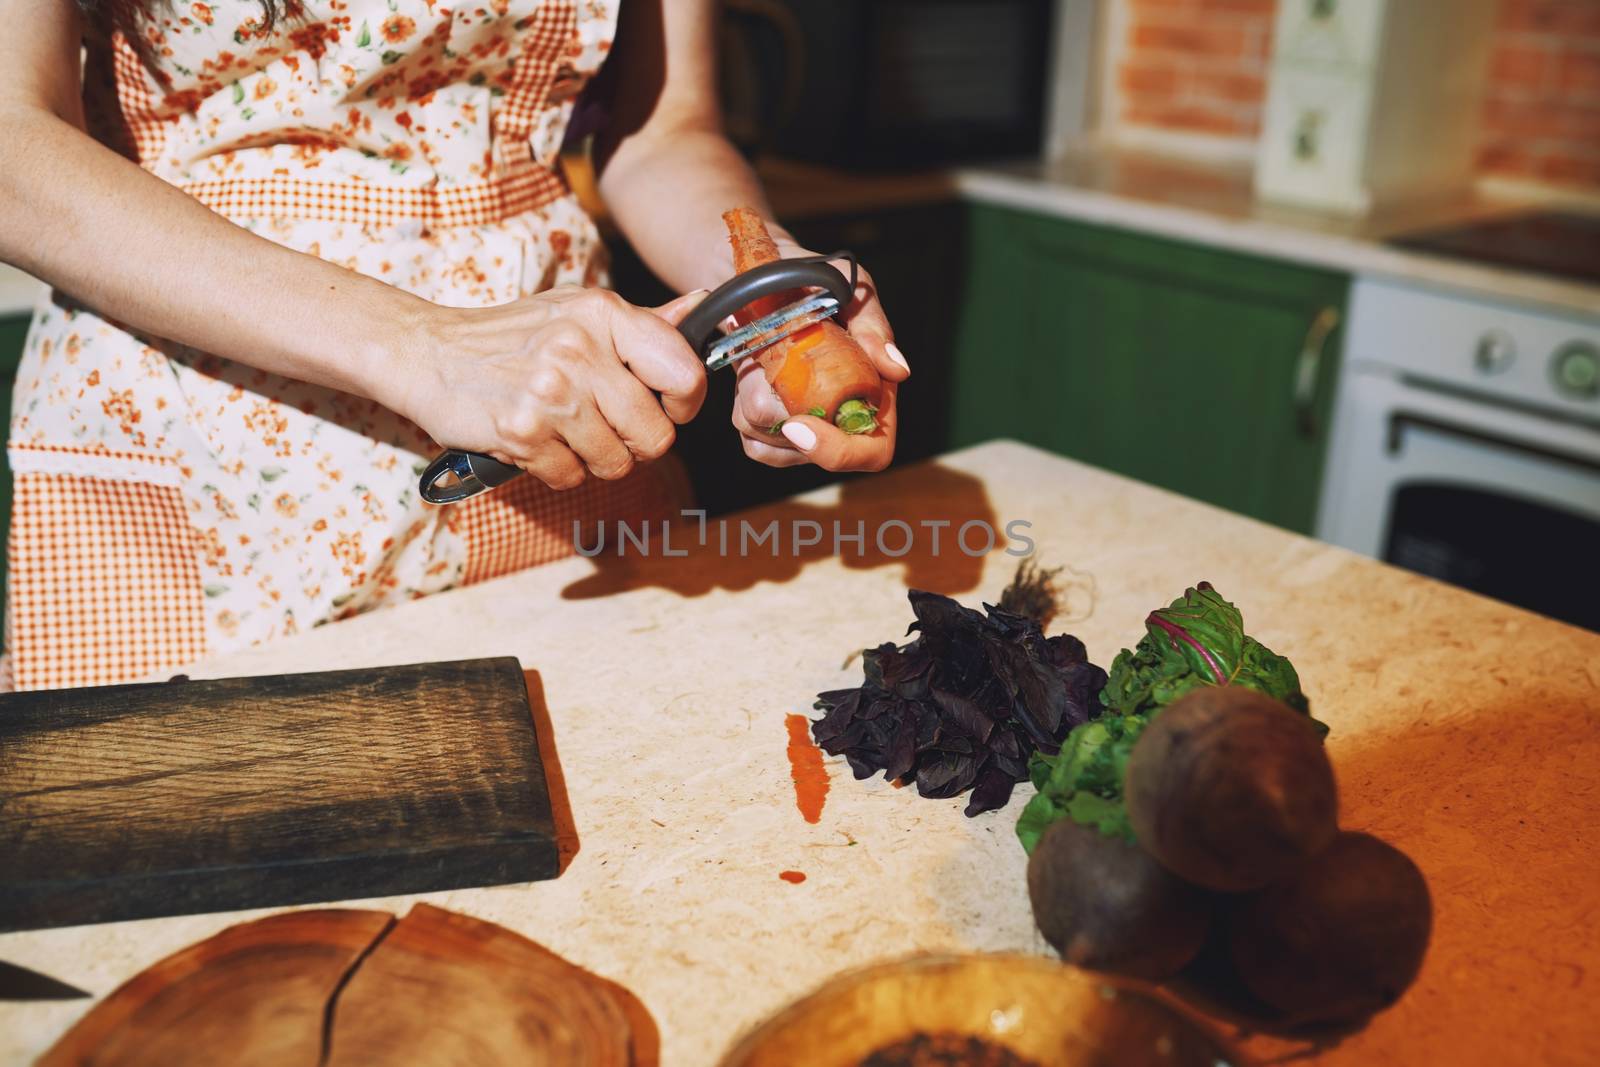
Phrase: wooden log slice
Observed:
(254, 994)
(347, 988)
(447, 989)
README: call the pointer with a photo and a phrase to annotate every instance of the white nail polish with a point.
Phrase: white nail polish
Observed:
(800, 435)
(895, 354)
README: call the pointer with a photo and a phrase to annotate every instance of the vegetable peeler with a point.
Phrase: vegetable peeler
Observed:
(456, 475)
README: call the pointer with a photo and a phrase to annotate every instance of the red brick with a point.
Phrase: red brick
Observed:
(1520, 67)
(1570, 169)
(1260, 9)
(1580, 74)
(1191, 118)
(1507, 159)
(1191, 38)
(1150, 79)
(1233, 86)
(1513, 120)
(1571, 17)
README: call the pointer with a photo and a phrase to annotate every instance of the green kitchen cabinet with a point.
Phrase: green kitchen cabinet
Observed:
(13, 331)
(1202, 371)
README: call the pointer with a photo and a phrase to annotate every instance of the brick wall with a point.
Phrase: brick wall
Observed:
(1200, 67)
(1541, 109)
(1195, 66)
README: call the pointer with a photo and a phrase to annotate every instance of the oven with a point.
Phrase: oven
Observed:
(1466, 446)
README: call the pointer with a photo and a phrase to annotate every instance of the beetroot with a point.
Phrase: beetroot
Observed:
(1340, 940)
(1104, 904)
(1231, 789)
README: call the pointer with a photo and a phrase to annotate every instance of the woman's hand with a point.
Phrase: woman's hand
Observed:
(559, 384)
(804, 438)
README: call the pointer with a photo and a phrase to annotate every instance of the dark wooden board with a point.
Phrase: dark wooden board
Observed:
(123, 802)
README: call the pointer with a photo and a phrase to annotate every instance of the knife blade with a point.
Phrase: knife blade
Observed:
(20, 983)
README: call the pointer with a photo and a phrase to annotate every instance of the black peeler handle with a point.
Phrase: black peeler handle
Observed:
(474, 472)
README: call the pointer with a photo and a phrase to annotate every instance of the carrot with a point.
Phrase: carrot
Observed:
(819, 370)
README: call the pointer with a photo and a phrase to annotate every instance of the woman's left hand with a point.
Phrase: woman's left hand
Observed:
(806, 439)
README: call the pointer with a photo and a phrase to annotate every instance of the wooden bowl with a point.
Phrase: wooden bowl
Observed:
(1047, 1012)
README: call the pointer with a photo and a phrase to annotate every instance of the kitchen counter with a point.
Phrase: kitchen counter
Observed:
(1464, 731)
(1215, 205)
(1204, 203)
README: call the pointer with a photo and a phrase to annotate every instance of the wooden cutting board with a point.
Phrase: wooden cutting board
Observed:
(124, 802)
(331, 988)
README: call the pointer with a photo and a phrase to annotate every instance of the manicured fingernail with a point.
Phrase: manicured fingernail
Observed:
(800, 435)
(896, 355)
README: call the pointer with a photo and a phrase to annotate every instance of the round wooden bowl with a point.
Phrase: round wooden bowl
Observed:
(1047, 1012)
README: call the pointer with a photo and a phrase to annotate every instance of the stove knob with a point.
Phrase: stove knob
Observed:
(1496, 350)
(1576, 370)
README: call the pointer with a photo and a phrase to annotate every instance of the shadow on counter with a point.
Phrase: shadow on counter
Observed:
(920, 511)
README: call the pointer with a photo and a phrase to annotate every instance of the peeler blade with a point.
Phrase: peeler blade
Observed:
(769, 330)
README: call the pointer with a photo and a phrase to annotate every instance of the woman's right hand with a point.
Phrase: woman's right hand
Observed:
(561, 384)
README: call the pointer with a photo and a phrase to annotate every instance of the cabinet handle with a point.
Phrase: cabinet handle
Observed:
(1307, 369)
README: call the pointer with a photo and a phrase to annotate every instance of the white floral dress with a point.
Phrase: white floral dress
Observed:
(170, 504)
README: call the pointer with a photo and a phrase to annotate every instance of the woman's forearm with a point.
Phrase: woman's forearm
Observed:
(668, 193)
(666, 171)
(140, 251)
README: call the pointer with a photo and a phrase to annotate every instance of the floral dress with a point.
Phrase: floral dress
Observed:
(170, 504)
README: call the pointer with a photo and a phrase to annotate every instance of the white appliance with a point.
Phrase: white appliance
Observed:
(1466, 446)
(1372, 101)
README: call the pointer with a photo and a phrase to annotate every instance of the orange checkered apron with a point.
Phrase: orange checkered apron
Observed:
(170, 504)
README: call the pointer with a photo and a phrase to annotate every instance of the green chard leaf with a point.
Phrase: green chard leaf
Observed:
(1084, 781)
(1195, 641)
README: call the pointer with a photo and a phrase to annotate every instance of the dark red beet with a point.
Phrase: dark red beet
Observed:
(1104, 904)
(1340, 940)
(1231, 789)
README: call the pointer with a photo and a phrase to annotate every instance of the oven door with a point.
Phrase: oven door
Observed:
(1499, 501)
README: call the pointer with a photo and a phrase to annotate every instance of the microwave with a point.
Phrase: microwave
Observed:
(886, 84)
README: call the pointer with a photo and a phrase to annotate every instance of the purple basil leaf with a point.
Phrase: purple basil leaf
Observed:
(991, 791)
(1065, 651)
(901, 757)
(964, 714)
(946, 777)
(963, 705)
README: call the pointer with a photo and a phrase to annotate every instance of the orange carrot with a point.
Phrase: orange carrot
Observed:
(818, 371)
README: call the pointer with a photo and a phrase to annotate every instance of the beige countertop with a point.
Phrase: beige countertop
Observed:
(1215, 205)
(1465, 731)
